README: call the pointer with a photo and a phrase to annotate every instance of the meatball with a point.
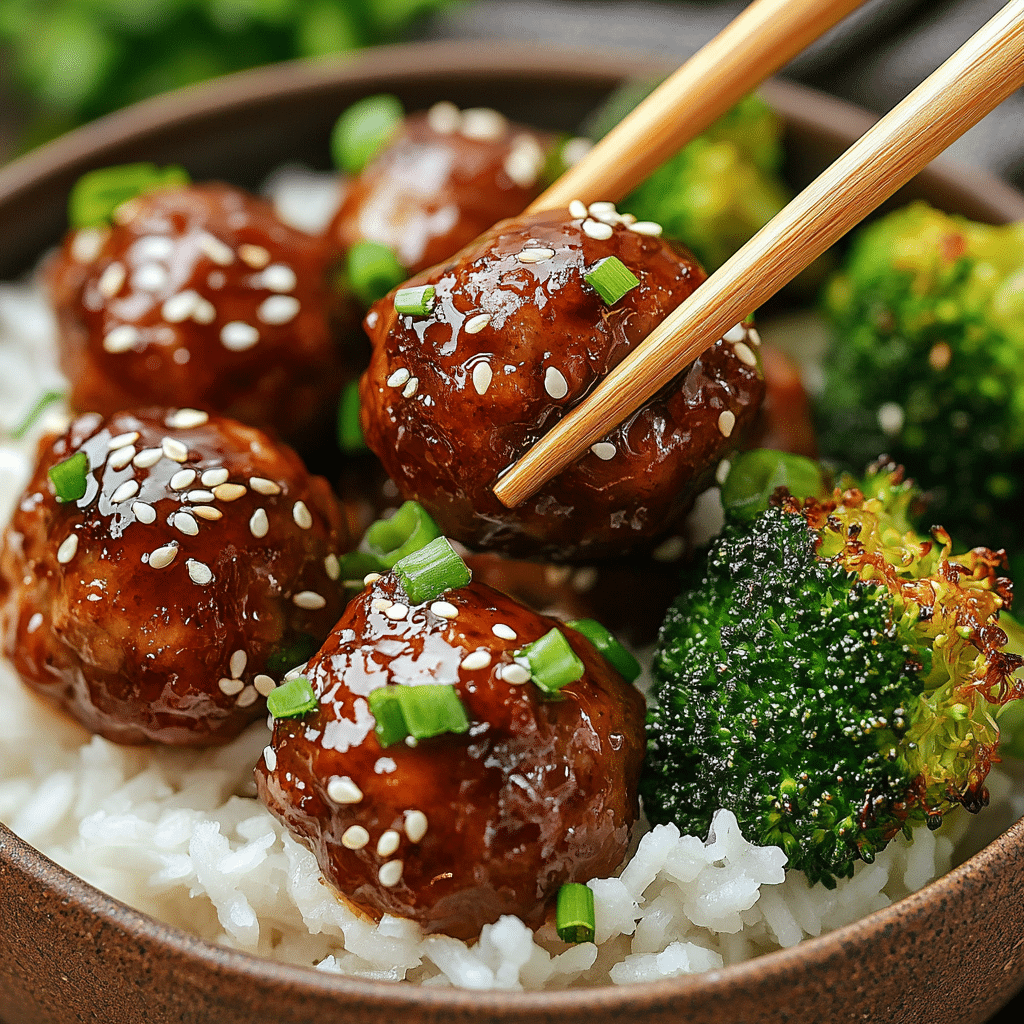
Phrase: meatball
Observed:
(445, 178)
(201, 557)
(458, 829)
(514, 338)
(199, 296)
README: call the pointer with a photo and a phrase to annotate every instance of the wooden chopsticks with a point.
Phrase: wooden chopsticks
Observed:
(982, 73)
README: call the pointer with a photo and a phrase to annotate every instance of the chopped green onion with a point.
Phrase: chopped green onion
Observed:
(611, 279)
(70, 477)
(291, 699)
(350, 431)
(423, 711)
(552, 661)
(301, 649)
(37, 410)
(372, 270)
(754, 477)
(408, 530)
(363, 130)
(430, 571)
(356, 565)
(415, 301)
(96, 195)
(615, 654)
(574, 914)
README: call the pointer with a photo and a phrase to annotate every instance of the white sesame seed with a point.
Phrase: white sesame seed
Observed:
(504, 631)
(722, 471)
(230, 686)
(174, 449)
(332, 566)
(121, 440)
(152, 247)
(261, 485)
(264, 684)
(482, 377)
(554, 383)
(381, 604)
(515, 674)
(577, 209)
(238, 336)
(121, 457)
(86, 244)
(598, 230)
(444, 609)
(726, 422)
(301, 515)
(415, 825)
(239, 659)
(216, 250)
(229, 492)
(259, 525)
(121, 339)
(214, 477)
(199, 496)
(355, 837)
(205, 312)
(279, 278)
(254, 256)
(398, 378)
(524, 162)
(150, 277)
(186, 419)
(247, 697)
(601, 208)
(111, 280)
(744, 354)
(475, 324)
(145, 514)
(736, 333)
(646, 227)
(669, 550)
(308, 599)
(371, 577)
(179, 307)
(182, 479)
(604, 450)
(753, 337)
(482, 123)
(208, 512)
(410, 387)
(270, 757)
(278, 309)
(127, 490)
(148, 458)
(67, 549)
(162, 557)
(185, 524)
(475, 660)
(396, 611)
(342, 790)
(199, 572)
(584, 579)
(390, 874)
(444, 118)
(535, 255)
(388, 843)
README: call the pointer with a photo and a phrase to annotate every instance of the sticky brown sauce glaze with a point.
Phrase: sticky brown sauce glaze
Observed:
(458, 829)
(516, 337)
(153, 608)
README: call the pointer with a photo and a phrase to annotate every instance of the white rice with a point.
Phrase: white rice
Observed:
(181, 836)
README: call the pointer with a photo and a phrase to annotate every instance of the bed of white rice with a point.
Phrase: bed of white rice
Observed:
(180, 835)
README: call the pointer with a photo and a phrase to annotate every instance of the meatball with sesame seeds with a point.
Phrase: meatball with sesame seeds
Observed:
(476, 359)
(161, 567)
(199, 295)
(457, 828)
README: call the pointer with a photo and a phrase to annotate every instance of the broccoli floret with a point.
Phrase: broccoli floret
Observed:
(830, 677)
(927, 366)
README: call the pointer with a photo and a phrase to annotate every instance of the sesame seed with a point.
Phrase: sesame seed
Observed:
(355, 837)
(182, 479)
(231, 686)
(148, 458)
(515, 674)
(254, 256)
(180, 307)
(145, 514)
(229, 492)
(122, 440)
(214, 477)
(505, 632)
(398, 378)
(744, 354)
(332, 566)
(199, 496)
(199, 572)
(476, 660)
(371, 577)
(121, 457)
(279, 278)
(342, 790)
(726, 422)
(264, 684)
(153, 247)
(185, 524)
(216, 250)
(646, 227)
(577, 209)
(121, 339)
(397, 611)
(604, 450)
(186, 419)
(278, 309)
(753, 337)
(482, 377)
(67, 549)
(482, 123)
(150, 277)
(173, 449)
(205, 312)
(444, 609)
(259, 525)
(238, 336)
(598, 230)
(301, 515)
(669, 550)
(444, 118)
(388, 843)
(415, 825)
(736, 333)
(208, 512)
(584, 579)
(239, 659)
(410, 388)
(536, 255)
(475, 324)
(260, 484)
(308, 599)
(111, 280)
(554, 383)
(247, 697)
(390, 874)
(162, 557)
(86, 244)
(556, 575)
(524, 162)
(127, 490)
(722, 471)
(380, 604)
(270, 757)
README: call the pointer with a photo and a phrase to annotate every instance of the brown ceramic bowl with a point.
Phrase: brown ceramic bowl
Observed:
(954, 952)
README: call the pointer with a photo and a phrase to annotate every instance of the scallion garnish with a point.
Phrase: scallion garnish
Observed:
(363, 130)
(615, 654)
(421, 712)
(37, 410)
(372, 270)
(552, 661)
(574, 914)
(291, 699)
(350, 432)
(70, 477)
(96, 195)
(389, 724)
(415, 301)
(611, 279)
(408, 530)
(430, 571)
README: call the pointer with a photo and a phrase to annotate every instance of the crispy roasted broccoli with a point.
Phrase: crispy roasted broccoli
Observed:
(927, 366)
(829, 676)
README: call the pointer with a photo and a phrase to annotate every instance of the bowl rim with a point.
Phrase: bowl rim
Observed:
(420, 62)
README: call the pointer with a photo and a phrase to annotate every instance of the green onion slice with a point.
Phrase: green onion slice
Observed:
(408, 530)
(42, 402)
(96, 195)
(574, 914)
(615, 654)
(70, 477)
(430, 571)
(423, 711)
(552, 661)
(755, 475)
(363, 130)
(415, 301)
(350, 431)
(611, 279)
(372, 270)
(291, 699)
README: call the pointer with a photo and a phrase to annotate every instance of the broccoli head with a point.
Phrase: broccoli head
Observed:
(830, 677)
(927, 366)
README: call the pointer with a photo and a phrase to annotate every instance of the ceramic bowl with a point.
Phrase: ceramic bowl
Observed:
(953, 952)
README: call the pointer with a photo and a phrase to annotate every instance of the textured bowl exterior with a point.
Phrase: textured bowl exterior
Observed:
(951, 954)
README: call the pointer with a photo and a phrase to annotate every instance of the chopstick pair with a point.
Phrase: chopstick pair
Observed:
(982, 73)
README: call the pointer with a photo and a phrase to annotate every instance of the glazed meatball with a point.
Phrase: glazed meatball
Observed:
(446, 177)
(199, 296)
(201, 556)
(458, 829)
(514, 337)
